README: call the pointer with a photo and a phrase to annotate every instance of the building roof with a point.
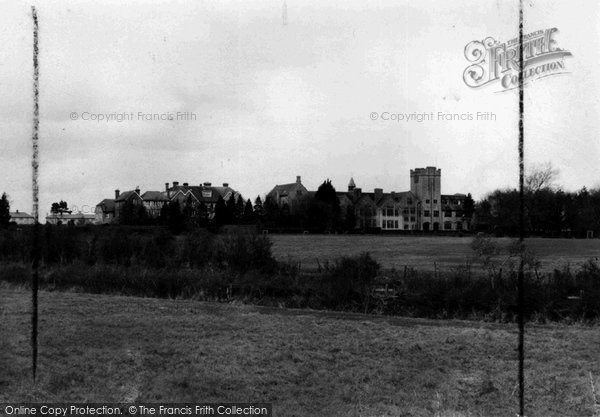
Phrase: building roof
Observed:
(76, 216)
(154, 196)
(108, 205)
(204, 193)
(381, 199)
(126, 195)
(285, 189)
(20, 215)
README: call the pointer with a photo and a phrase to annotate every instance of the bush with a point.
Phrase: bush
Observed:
(347, 283)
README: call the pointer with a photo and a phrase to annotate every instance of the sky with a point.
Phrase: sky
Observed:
(274, 89)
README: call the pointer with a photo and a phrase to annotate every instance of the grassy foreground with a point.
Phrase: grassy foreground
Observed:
(307, 363)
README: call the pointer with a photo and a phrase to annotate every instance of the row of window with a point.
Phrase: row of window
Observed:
(436, 213)
(448, 226)
(444, 201)
(393, 224)
(395, 211)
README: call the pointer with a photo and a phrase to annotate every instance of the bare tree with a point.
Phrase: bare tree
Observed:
(541, 176)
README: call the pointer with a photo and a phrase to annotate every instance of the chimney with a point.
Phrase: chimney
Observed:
(207, 184)
(225, 184)
(357, 192)
(378, 193)
(166, 186)
(137, 189)
(116, 194)
(185, 184)
(298, 179)
(175, 183)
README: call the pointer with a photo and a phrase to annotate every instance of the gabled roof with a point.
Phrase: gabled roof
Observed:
(108, 205)
(283, 189)
(126, 195)
(154, 196)
(205, 194)
(384, 198)
(226, 192)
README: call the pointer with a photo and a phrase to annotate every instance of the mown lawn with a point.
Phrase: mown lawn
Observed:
(424, 252)
(112, 348)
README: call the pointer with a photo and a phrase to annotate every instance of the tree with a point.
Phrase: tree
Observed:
(175, 217)
(248, 212)
(220, 212)
(469, 206)
(258, 207)
(469, 209)
(231, 205)
(327, 208)
(133, 214)
(240, 208)
(272, 214)
(60, 207)
(4, 211)
(541, 176)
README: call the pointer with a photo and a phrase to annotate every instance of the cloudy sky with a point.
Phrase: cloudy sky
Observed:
(280, 89)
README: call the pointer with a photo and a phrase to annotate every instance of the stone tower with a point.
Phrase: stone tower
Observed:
(426, 184)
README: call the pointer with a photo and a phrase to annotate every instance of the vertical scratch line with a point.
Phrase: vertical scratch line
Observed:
(521, 295)
(35, 188)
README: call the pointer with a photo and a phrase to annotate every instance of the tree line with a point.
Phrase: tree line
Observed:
(549, 210)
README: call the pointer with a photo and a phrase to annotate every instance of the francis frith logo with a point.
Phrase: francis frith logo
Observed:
(496, 62)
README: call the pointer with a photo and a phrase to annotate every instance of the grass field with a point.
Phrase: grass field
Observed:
(423, 252)
(113, 348)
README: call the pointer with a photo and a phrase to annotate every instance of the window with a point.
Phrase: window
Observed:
(458, 225)
(412, 219)
(396, 212)
(405, 218)
(389, 211)
(426, 213)
(426, 201)
(409, 201)
(447, 214)
(395, 224)
(434, 201)
(436, 213)
(383, 224)
(405, 227)
(447, 226)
